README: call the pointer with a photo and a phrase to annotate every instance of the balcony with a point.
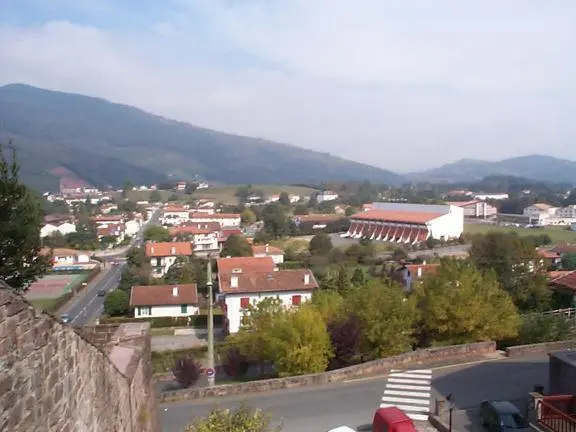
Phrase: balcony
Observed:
(557, 413)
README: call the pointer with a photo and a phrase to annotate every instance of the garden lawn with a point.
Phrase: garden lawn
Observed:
(558, 235)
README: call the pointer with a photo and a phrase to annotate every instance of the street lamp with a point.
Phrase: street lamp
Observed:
(210, 371)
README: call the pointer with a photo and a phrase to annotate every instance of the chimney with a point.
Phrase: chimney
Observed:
(173, 250)
(175, 291)
(234, 281)
(306, 278)
(419, 272)
(152, 249)
(267, 248)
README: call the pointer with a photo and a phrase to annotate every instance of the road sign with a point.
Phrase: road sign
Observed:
(210, 372)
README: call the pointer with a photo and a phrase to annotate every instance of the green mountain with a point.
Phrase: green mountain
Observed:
(534, 167)
(105, 143)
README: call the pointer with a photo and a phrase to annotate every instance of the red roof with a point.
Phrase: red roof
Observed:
(212, 226)
(425, 269)
(548, 254)
(214, 216)
(396, 216)
(555, 274)
(225, 233)
(109, 218)
(175, 209)
(274, 281)
(162, 249)
(245, 265)
(564, 248)
(266, 250)
(566, 281)
(159, 295)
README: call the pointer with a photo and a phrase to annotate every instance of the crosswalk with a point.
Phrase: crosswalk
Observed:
(410, 391)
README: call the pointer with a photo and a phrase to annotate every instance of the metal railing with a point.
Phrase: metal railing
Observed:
(566, 312)
(558, 413)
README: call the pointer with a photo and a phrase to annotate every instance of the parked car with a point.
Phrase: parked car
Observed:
(65, 318)
(502, 416)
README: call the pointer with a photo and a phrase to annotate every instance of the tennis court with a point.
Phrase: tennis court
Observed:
(54, 286)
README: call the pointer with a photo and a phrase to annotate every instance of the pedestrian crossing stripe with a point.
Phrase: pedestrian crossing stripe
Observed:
(410, 391)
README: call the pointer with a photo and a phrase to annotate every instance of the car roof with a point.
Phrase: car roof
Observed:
(503, 407)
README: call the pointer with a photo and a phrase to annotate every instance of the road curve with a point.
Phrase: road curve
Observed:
(353, 403)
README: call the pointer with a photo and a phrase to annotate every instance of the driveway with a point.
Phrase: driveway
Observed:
(198, 337)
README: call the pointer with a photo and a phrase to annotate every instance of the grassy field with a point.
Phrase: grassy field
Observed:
(145, 195)
(557, 235)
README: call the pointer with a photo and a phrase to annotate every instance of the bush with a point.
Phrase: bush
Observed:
(242, 419)
(161, 322)
(235, 363)
(539, 328)
(187, 371)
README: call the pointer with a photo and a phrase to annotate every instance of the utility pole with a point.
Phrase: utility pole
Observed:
(210, 371)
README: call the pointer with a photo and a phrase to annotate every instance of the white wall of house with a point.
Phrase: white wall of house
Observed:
(165, 311)
(65, 228)
(132, 227)
(160, 265)
(278, 259)
(234, 312)
(223, 221)
(326, 196)
(538, 216)
(175, 218)
(71, 259)
(205, 243)
(448, 226)
(491, 196)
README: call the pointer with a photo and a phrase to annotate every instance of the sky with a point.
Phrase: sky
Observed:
(400, 84)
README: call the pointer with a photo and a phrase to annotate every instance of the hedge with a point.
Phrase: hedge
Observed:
(160, 322)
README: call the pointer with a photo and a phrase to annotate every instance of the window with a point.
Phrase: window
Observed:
(296, 300)
(244, 302)
(144, 310)
(183, 309)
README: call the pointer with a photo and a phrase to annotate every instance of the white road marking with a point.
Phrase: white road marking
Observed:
(410, 391)
(407, 393)
(406, 380)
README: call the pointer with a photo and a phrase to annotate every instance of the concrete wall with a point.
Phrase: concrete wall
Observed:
(56, 378)
(541, 348)
(562, 373)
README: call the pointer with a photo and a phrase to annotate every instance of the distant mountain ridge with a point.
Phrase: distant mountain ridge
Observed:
(105, 143)
(534, 167)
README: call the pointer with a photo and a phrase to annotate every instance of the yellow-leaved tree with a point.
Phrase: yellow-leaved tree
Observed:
(387, 317)
(330, 305)
(460, 305)
(301, 342)
(242, 419)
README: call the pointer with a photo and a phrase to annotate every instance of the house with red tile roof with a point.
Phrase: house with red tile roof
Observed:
(163, 255)
(226, 220)
(407, 223)
(238, 265)
(409, 274)
(239, 290)
(155, 301)
(174, 215)
(204, 237)
(275, 253)
(565, 282)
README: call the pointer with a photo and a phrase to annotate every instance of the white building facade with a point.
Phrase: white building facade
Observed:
(65, 228)
(157, 301)
(224, 219)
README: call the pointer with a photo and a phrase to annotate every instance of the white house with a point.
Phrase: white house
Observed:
(240, 290)
(64, 228)
(67, 257)
(154, 301)
(326, 196)
(539, 213)
(476, 208)
(163, 254)
(174, 215)
(224, 219)
(568, 212)
(204, 237)
(275, 253)
(132, 227)
(490, 196)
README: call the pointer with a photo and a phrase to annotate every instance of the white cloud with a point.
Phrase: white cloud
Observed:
(401, 87)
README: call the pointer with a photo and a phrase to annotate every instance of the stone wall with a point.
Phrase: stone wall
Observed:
(364, 369)
(541, 348)
(55, 378)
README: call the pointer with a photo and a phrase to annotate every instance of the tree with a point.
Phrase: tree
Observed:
(343, 281)
(345, 337)
(301, 342)
(136, 256)
(358, 277)
(284, 199)
(387, 318)
(569, 261)
(301, 210)
(235, 363)
(187, 371)
(236, 246)
(181, 272)
(157, 233)
(461, 305)
(399, 254)
(128, 186)
(191, 188)
(86, 235)
(276, 222)
(20, 221)
(330, 305)
(248, 217)
(116, 303)
(321, 244)
(518, 268)
(539, 328)
(243, 419)
(155, 196)
(350, 211)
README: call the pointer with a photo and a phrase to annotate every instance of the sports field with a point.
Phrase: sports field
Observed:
(558, 235)
(54, 286)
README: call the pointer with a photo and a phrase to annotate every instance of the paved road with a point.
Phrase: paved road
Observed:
(88, 305)
(353, 403)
